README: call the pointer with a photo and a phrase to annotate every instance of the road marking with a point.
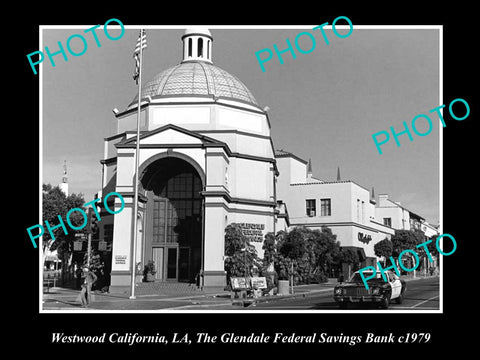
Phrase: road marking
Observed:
(424, 301)
(286, 307)
(199, 306)
(406, 308)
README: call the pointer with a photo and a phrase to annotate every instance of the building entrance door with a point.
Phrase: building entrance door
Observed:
(184, 264)
(172, 263)
(157, 257)
(175, 219)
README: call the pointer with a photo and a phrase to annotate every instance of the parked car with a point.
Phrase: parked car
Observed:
(379, 291)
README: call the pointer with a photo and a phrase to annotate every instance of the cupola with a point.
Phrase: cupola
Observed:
(197, 45)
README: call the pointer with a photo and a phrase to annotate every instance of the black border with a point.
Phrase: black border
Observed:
(459, 185)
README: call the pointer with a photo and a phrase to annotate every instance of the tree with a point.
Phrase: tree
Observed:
(327, 249)
(407, 240)
(349, 257)
(303, 253)
(383, 248)
(269, 251)
(56, 203)
(432, 249)
(294, 244)
(241, 256)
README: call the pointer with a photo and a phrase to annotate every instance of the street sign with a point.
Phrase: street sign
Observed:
(77, 245)
(102, 245)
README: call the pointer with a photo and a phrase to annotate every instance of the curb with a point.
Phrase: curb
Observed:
(220, 299)
(224, 298)
(419, 278)
(306, 294)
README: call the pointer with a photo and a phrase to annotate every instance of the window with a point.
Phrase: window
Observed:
(208, 49)
(325, 207)
(358, 210)
(387, 221)
(200, 47)
(414, 224)
(391, 278)
(108, 232)
(190, 47)
(179, 200)
(363, 211)
(311, 207)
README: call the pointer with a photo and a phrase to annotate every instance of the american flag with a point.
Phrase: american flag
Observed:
(141, 44)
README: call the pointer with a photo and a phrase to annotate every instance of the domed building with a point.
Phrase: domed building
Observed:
(206, 160)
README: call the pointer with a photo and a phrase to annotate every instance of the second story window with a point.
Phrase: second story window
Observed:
(358, 210)
(363, 211)
(311, 207)
(325, 207)
(387, 221)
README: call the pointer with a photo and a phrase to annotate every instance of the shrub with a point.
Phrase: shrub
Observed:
(302, 253)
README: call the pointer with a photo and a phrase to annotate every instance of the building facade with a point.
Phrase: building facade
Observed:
(344, 206)
(206, 160)
(393, 214)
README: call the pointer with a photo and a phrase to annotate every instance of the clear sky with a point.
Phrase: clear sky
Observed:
(324, 105)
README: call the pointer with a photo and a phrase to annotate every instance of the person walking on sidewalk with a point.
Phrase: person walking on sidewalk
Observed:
(85, 296)
(78, 274)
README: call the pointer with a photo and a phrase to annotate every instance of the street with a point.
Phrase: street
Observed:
(422, 294)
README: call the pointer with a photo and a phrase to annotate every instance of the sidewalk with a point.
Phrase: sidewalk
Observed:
(118, 299)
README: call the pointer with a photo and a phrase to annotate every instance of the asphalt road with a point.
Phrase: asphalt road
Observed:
(422, 294)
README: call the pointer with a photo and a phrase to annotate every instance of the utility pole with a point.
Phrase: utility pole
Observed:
(89, 236)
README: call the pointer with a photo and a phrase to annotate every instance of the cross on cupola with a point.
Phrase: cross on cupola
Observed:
(197, 45)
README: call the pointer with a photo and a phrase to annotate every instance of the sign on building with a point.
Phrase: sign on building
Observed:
(120, 259)
(364, 238)
(253, 232)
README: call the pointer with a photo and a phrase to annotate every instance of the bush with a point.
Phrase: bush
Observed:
(241, 256)
(149, 268)
(383, 248)
(304, 254)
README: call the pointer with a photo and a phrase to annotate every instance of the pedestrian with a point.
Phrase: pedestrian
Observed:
(85, 296)
(78, 274)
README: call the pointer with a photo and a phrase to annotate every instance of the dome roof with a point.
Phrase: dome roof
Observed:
(197, 78)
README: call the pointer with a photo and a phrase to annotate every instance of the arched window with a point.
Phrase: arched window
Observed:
(190, 47)
(200, 47)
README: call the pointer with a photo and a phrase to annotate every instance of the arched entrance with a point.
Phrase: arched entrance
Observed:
(173, 227)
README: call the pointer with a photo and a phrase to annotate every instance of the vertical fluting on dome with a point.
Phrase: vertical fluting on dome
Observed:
(197, 45)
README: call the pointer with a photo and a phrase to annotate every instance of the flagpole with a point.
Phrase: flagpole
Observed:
(137, 150)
